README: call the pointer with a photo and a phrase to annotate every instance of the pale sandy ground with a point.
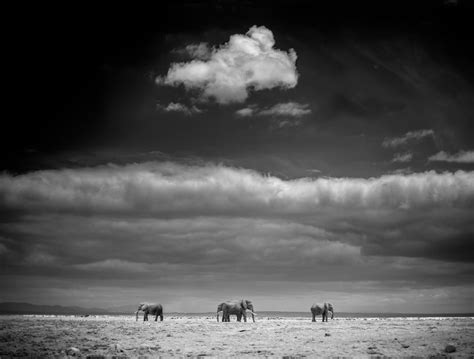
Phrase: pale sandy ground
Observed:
(202, 336)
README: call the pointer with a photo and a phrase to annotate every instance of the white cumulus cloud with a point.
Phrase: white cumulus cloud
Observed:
(199, 51)
(227, 74)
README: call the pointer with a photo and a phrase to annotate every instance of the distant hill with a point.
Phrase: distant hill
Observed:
(123, 309)
(28, 308)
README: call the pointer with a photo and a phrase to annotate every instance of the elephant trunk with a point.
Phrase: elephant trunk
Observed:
(136, 313)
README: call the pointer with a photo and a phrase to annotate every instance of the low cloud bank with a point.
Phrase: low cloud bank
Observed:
(203, 227)
(174, 188)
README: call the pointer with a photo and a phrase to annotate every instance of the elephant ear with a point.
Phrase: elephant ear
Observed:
(243, 304)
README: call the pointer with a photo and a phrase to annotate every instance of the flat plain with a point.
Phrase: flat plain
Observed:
(196, 336)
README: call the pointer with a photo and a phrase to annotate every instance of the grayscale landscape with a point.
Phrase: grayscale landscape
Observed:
(302, 170)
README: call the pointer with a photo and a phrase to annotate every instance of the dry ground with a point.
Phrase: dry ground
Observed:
(194, 336)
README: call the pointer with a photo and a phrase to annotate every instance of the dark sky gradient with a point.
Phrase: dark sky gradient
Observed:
(107, 199)
(368, 72)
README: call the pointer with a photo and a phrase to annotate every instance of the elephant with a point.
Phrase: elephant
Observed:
(150, 308)
(219, 310)
(237, 307)
(322, 309)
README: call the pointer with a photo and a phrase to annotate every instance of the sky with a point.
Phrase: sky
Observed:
(284, 152)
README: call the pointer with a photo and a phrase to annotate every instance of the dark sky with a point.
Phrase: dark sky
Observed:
(288, 152)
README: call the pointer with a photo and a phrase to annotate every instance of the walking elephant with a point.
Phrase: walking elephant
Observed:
(150, 308)
(236, 307)
(324, 310)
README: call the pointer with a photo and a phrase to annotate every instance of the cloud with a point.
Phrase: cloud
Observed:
(247, 62)
(402, 157)
(287, 114)
(179, 107)
(170, 187)
(288, 123)
(195, 228)
(115, 265)
(407, 137)
(245, 112)
(199, 51)
(292, 109)
(287, 109)
(460, 157)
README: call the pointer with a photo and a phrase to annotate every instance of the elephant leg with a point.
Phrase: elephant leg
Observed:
(145, 317)
(156, 317)
(239, 317)
(245, 317)
(161, 317)
(314, 317)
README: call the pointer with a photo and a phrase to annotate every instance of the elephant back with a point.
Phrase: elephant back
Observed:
(151, 307)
